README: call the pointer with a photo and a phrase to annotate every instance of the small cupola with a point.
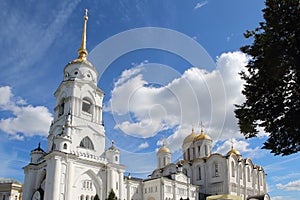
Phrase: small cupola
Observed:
(113, 154)
(163, 156)
(37, 154)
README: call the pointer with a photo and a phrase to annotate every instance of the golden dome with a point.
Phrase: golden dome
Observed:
(202, 136)
(164, 149)
(190, 137)
(233, 151)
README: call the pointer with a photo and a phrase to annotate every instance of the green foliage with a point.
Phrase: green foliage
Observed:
(96, 197)
(272, 76)
(112, 195)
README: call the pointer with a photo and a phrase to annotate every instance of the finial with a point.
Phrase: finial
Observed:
(202, 126)
(39, 145)
(163, 141)
(231, 140)
(193, 128)
(82, 52)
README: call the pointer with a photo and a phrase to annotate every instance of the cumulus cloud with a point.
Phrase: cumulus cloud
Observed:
(242, 146)
(143, 145)
(293, 185)
(142, 106)
(200, 5)
(26, 120)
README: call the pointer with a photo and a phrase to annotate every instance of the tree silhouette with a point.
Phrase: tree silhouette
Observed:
(112, 195)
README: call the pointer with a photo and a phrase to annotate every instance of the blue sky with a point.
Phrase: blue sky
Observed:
(149, 54)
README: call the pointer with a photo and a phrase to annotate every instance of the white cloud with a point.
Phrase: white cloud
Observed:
(200, 5)
(5, 95)
(142, 109)
(242, 146)
(28, 120)
(293, 185)
(143, 145)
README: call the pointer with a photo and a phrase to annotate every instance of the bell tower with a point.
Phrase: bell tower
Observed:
(77, 124)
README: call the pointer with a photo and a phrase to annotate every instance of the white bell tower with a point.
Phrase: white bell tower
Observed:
(78, 111)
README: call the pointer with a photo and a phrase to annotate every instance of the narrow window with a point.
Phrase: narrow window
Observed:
(199, 173)
(248, 174)
(61, 108)
(86, 106)
(232, 169)
(65, 146)
(206, 150)
(216, 170)
(240, 172)
(116, 158)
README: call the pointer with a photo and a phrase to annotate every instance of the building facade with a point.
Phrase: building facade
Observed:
(230, 175)
(76, 165)
(10, 189)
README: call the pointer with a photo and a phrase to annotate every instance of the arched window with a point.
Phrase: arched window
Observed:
(61, 108)
(206, 150)
(116, 158)
(82, 197)
(232, 169)
(248, 174)
(86, 105)
(216, 170)
(65, 146)
(241, 172)
(199, 173)
(87, 143)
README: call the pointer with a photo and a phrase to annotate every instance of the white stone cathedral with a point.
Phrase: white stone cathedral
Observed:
(76, 165)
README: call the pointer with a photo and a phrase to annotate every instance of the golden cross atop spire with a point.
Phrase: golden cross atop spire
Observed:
(82, 52)
(231, 140)
(163, 141)
(201, 126)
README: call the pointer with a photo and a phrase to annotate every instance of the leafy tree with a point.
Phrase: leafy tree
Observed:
(96, 197)
(112, 195)
(272, 78)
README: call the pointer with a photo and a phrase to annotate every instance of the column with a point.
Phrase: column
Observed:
(121, 185)
(56, 181)
(70, 174)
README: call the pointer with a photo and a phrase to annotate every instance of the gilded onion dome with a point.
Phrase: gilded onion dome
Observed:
(164, 149)
(190, 137)
(233, 151)
(202, 136)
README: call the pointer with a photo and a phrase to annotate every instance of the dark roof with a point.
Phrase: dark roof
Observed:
(38, 148)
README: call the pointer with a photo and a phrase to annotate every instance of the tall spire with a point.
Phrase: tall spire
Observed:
(82, 52)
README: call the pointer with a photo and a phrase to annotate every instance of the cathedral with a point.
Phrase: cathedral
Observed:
(76, 165)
